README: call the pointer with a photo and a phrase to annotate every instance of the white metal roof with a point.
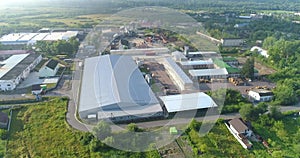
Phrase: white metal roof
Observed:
(33, 37)
(11, 37)
(178, 70)
(69, 34)
(54, 36)
(197, 62)
(202, 53)
(39, 37)
(208, 72)
(10, 63)
(27, 37)
(114, 83)
(184, 102)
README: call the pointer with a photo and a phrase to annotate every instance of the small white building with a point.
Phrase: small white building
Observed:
(49, 69)
(17, 68)
(261, 95)
(260, 51)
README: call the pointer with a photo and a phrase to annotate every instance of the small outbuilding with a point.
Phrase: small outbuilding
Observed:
(49, 69)
(261, 95)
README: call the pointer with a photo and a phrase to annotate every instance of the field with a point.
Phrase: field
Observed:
(32, 19)
(40, 131)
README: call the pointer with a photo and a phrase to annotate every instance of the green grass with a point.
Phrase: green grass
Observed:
(217, 143)
(41, 131)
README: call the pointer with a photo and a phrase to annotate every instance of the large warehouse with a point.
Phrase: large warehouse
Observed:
(114, 88)
(32, 38)
(16, 68)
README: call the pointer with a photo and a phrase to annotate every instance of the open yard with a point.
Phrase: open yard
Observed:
(262, 69)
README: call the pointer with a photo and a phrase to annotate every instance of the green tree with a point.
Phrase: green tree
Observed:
(195, 125)
(285, 94)
(269, 42)
(102, 130)
(3, 134)
(152, 151)
(248, 68)
(109, 140)
(261, 108)
(275, 112)
(248, 112)
(132, 127)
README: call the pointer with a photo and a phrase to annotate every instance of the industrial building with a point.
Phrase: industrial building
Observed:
(209, 73)
(32, 38)
(182, 81)
(114, 88)
(186, 102)
(16, 68)
(232, 42)
(197, 64)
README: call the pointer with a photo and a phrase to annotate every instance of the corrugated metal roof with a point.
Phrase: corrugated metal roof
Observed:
(197, 62)
(27, 37)
(20, 67)
(12, 37)
(114, 82)
(10, 63)
(208, 72)
(184, 102)
(178, 70)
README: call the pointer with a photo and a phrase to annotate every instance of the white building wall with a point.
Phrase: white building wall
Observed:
(6, 85)
(47, 72)
(12, 84)
(254, 95)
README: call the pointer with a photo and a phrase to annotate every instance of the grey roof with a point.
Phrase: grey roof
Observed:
(238, 125)
(52, 64)
(114, 82)
(178, 70)
(20, 67)
(208, 72)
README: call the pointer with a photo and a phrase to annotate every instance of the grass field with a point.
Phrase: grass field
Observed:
(41, 131)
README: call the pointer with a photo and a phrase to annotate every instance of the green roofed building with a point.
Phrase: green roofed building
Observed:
(173, 130)
(232, 71)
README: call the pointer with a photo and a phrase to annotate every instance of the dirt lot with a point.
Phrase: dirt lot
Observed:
(263, 70)
(160, 75)
(209, 86)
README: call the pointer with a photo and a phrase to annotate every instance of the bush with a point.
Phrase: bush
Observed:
(3, 134)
